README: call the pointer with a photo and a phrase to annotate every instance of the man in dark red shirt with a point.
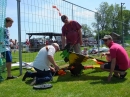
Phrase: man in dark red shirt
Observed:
(120, 61)
(71, 34)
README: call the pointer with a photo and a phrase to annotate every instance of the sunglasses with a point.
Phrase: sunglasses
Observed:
(105, 40)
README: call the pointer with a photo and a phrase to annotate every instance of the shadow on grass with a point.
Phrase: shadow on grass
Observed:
(113, 81)
(83, 77)
(95, 71)
(14, 68)
(28, 81)
(86, 77)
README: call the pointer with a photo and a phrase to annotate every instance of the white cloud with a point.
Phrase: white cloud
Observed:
(85, 14)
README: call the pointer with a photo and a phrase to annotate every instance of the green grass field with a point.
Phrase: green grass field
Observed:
(91, 83)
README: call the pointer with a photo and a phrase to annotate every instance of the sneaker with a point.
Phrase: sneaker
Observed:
(12, 77)
(33, 82)
(123, 76)
(25, 76)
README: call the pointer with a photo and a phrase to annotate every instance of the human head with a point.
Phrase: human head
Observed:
(8, 22)
(107, 39)
(56, 46)
(64, 19)
(85, 49)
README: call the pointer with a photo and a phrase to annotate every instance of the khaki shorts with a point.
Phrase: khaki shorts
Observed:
(76, 48)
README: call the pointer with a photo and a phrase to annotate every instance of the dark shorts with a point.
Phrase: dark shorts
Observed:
(7, 55)
(108, 66)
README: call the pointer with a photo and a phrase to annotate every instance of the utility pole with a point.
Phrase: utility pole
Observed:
(122, 25)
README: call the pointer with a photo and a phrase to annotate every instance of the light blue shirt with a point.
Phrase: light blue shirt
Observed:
(7, 39)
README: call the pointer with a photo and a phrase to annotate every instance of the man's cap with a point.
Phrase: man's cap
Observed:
(107, 37)
(55, 44)
(63, 17)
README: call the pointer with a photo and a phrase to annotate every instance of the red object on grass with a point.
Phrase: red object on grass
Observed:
(61, 72)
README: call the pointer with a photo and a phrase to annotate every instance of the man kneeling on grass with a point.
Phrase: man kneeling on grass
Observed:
(42, 65)
(120, 61)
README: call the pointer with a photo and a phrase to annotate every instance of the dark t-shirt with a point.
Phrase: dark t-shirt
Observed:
(70, 31)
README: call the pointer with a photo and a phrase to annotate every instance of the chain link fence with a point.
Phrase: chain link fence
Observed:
(43, 16)
(2, 47)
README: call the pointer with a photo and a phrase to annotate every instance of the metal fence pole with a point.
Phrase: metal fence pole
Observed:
(72, 13)
(122, 25)
(98, 35)
(19, 35)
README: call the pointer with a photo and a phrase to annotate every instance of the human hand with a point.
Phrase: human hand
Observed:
(56, 67)
(53, 69)
(103, 54)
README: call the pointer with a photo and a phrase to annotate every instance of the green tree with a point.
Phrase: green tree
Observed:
(126, 20)
(86, 30)
(101, 16)
(102, 34)
(109, 19)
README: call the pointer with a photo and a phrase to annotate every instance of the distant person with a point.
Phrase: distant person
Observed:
(71, 34)
(120, 61)
(47, 43)
(11, 45)
(15, 45)
(27, 45)
(42, 64)
(7, 53)
(84, 51)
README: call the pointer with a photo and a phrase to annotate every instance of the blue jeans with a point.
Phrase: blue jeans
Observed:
(7, 55)
(41, 76)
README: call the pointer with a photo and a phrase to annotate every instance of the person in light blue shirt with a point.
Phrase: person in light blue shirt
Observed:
(7, 52)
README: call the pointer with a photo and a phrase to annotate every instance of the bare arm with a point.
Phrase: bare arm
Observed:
(51, 59)
(63, 42)
(12, 42)
(80, 36)
(113, 64)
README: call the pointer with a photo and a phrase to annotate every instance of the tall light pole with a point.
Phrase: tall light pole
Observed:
(122, 25)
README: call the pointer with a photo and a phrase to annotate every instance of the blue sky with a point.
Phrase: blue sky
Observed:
(89, 4)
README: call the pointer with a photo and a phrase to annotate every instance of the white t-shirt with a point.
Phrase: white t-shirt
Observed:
(41, 61)
(84, 52)
(7, 39)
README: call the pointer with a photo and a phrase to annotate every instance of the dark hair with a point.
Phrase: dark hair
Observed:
(8, 19)
(63, 17)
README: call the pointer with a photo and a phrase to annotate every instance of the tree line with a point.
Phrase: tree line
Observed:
(109, 18)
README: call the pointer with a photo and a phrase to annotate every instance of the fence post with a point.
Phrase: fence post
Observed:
(98, 33)
(122, 26)
(72, 13)
(19, 35)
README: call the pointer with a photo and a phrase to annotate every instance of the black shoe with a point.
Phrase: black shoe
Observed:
(123, 76)
(25, 76)
(12, 77)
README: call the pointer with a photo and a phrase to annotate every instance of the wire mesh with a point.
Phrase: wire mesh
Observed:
(2, 47)
(41, 16)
